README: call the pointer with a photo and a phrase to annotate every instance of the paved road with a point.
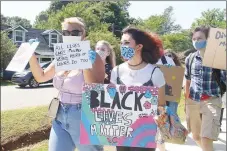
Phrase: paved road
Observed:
(13, 97)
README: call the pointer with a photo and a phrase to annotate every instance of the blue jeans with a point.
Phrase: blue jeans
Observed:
(65, 131)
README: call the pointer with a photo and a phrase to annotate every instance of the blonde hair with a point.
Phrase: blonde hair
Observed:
(111, 58)
(75, 20)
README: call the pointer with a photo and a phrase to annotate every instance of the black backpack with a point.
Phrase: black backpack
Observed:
(216, 74)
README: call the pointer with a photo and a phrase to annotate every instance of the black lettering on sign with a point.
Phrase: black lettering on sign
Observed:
(60, 53)
(75, 45)
(223, 43)
(103, 103)
(124, 99)
(62, 58)
(116, 101)
(93, 129)
(74, 50)
(137, 101)
(62, 63)
(94, 100)
(58, 47)
(74, 62)
(84, 60)
(220, 35)
(74, 55)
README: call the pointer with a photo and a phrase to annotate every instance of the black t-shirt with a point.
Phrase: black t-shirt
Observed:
(108, 69)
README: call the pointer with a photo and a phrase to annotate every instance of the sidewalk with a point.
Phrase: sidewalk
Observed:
(190, 145)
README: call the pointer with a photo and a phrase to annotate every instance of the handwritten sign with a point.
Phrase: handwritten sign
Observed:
(119, 115)
(174, 76)
(215, 53)
(72, 56)
(22, 56)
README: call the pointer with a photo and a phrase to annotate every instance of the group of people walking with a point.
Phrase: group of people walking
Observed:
(140, 51)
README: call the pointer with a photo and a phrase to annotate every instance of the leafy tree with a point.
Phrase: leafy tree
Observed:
(215, 18)
(160, 24)
(178, 42)
(7, 50)
(15, 21)
(104, 34)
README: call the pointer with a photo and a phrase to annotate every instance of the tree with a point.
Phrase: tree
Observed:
(15, 21)
(178, 42)
(7, 50)
(160, 24)
(214, 18)
(104, 34)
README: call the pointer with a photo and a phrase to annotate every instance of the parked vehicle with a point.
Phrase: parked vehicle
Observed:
(26, 77)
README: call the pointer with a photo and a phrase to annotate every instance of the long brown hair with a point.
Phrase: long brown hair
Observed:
(176, 59)
(151, 45)
(111, 59)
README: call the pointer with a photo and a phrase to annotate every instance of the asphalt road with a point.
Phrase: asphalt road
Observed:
(13, 97)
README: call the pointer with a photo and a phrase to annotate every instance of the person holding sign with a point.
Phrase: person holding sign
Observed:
(141, 50)
(105, 51)
(203, 94)
(65, 131)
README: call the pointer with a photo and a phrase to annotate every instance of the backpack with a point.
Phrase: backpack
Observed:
(216, 74)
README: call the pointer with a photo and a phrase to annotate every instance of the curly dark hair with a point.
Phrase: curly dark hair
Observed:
(151, 51)
(173, 55)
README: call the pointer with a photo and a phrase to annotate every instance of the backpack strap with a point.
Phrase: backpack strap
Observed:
(191, 59)
(118, 76)
(164, 61)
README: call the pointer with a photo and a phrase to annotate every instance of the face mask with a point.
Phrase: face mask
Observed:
(127, 53)
(102, 54)
(69, 39)
(199, 44)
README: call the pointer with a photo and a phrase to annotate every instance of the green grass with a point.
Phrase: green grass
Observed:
(6, 83)
(22, 121)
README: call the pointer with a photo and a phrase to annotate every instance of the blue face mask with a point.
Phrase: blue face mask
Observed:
(127, 53)
(199, 44)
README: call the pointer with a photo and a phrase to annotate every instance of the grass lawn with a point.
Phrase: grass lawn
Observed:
(6, 83)
(19, 122)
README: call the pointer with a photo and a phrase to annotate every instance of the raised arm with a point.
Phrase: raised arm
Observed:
(39, 74)
(97, 73)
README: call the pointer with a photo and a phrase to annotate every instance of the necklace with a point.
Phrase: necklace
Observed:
(136, 64)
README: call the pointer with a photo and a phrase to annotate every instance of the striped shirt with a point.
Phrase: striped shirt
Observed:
(201, 79)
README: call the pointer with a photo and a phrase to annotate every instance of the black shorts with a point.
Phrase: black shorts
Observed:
(120, 148)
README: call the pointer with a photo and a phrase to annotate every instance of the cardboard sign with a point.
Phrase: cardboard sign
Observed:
(215, 54)
(72, 56)
(22, 56)
(174, 80)
(118, 115)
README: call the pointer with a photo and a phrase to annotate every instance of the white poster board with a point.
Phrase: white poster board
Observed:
(22, 56)
(72, 56)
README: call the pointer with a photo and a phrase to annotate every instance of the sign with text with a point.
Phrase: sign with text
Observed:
(22, 56)
(215, 53)
(118, 115)
(174, 76)
(72, 56)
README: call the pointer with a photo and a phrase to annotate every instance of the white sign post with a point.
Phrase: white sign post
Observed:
(72, 56)
(22, 56)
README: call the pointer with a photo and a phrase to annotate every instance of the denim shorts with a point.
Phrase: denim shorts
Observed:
(65, 131)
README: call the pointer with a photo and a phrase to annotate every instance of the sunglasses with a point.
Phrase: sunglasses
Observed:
(72, 33)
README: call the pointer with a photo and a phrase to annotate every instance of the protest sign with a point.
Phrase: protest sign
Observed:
(72, 56)
(174, 80)
(215, 53)
(22, 56)
(118, 115)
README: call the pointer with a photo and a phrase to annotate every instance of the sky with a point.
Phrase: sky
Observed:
(185, 12)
